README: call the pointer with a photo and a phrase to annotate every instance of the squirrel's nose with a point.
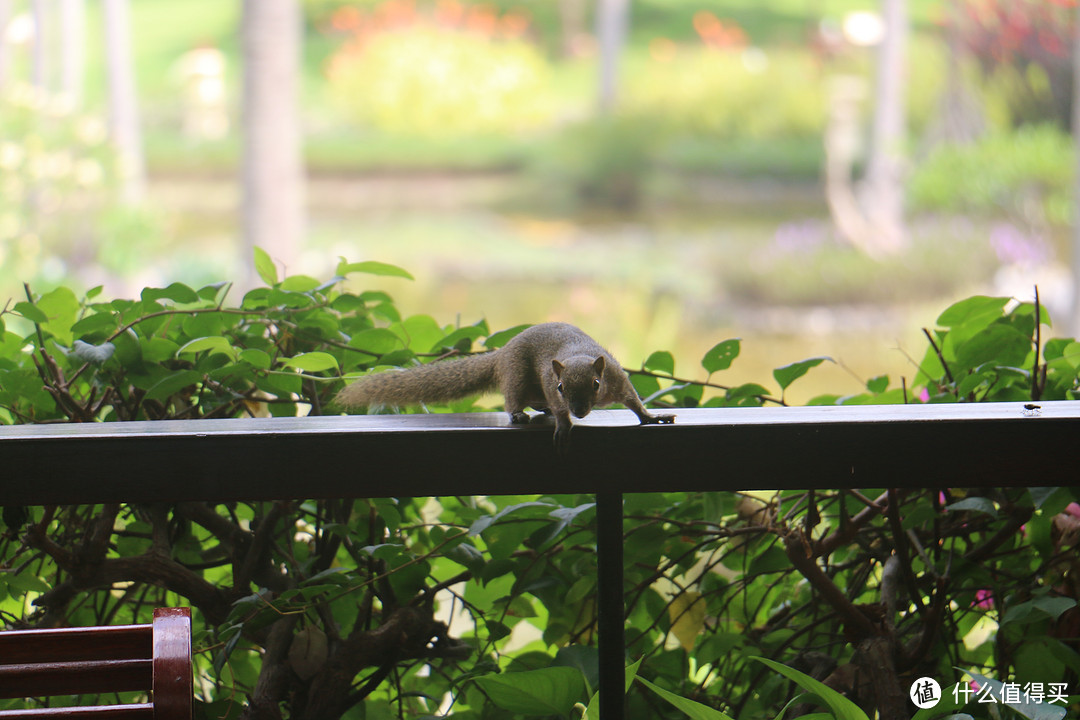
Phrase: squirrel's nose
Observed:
(580, 412)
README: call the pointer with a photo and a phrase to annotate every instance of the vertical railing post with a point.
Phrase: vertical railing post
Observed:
(611, 620)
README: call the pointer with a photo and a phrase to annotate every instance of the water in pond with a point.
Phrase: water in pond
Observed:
(757, 261)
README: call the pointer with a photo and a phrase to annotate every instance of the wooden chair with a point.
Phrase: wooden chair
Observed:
(155, 659)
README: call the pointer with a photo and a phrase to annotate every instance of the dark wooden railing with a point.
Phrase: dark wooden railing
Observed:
(962, 445)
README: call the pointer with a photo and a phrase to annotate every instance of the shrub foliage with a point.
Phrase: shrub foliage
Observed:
(342, 608)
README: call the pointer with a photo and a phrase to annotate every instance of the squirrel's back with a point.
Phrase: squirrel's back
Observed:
(555, 340)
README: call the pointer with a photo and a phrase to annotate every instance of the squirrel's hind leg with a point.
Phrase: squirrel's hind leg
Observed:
(516, 409)
(515, 403)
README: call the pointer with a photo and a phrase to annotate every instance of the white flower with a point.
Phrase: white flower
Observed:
(90, 130)
(89, 173)
(11, 156)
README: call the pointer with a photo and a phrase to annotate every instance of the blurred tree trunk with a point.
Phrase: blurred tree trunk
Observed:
(961, 118)
(883, 192)
(612, 20)
(272, 174)
(5, 56)
(572, 25)
(72, 49)
(124, 126)
(39, 53)
(1074, 321)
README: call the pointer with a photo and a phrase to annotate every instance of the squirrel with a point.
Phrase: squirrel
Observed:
(552, 367)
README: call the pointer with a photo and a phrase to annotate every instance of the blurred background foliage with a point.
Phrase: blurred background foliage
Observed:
(463, 140)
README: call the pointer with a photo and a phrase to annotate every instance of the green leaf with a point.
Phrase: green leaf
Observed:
(214, 291)
(979, 307)
(214, 344)
(376, 341)
(256, 358)
(385, 551)
(584, 659)
(691, 708)
(173, 383)
(31, 312)
(312, 362)
(159, 349)
(581, 588)
(177, 292)
(129, 351)
(840, 706)
(1054, 606)
(497, 340)
(299, 283)
(204, 324)
(496, 630)
(25, 582)
(373, 268)
(721, 355)
(526, 508)
(1022, 613)
(462, 338)
(1041, 496)
(420, 332)
(878, 385)
(264, 265)
(975, 504)
(466, 555)
(973, 381)
(62, 308)
(548, 691)
(661, 361)
(788, 374)
(629, 675)
(998, 344)
(772, 559)
(1071, 354)
(331, 576)
(747, 390)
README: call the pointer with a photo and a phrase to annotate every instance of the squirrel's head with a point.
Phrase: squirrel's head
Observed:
(579, 381)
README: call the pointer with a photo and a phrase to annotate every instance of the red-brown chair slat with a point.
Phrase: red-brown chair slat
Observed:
(111, 642)
(154, 659)
(132, 711)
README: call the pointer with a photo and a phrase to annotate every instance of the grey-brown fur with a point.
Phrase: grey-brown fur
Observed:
(434, 382)
(553, 367)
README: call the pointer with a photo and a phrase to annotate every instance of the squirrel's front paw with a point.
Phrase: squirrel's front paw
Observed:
(519, 418)
(658, 420)
(562, 439)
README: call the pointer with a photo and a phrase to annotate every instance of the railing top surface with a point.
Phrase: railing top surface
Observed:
(394, 423)
(996, 444)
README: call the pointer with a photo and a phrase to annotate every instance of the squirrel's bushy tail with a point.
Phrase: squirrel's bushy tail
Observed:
(435, 382)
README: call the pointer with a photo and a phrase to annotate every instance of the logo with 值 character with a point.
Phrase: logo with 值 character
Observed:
(925, 693)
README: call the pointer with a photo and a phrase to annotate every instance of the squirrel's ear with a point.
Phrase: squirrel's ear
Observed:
(557, 367)
(598, 365)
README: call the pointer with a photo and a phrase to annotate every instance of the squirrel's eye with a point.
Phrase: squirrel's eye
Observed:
(559, 388)
(596, 385)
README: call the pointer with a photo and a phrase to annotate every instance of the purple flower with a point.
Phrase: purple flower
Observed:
(1015, 247)
(984, 599)
(802, 236)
